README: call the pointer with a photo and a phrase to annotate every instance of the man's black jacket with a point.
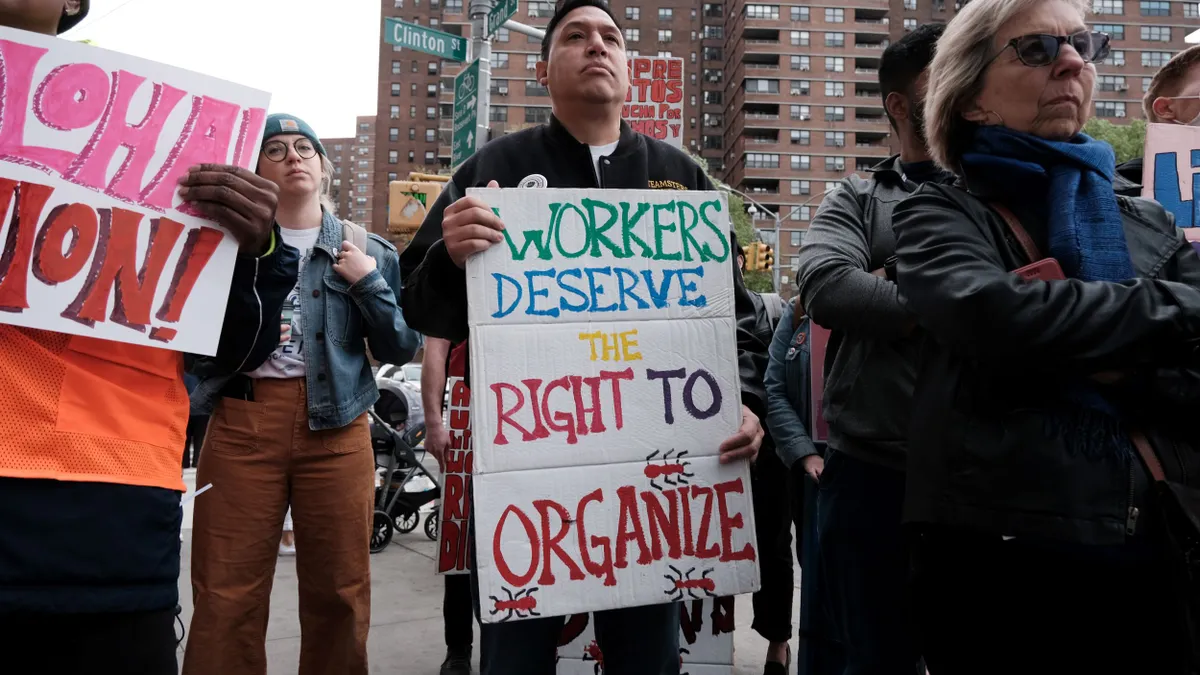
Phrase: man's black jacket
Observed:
(435, 291)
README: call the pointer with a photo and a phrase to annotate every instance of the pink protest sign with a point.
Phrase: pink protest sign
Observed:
(95, 239)
(654, 105)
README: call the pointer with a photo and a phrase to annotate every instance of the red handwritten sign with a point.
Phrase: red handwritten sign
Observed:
(654, 105)
(95, 239)
(454, 541)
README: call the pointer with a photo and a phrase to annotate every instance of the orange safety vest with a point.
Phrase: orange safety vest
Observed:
(76, 408)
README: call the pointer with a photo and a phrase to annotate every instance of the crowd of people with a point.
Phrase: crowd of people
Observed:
(1012, 341)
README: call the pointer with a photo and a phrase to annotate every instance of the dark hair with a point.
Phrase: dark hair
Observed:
(1167, 81)
(561, 12)
(905, 60)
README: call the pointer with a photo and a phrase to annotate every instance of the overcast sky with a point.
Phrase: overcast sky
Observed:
(319, 59)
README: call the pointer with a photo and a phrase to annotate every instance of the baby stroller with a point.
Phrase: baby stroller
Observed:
(397, 428)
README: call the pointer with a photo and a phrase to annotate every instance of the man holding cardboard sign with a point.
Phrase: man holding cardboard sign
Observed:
(684, 297)
(93, 400)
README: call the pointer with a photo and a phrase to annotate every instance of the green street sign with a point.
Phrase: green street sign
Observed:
(466, 118)
(503, 11)
(427, 40)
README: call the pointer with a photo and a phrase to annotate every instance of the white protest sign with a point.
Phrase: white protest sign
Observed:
(1171, 161)
(654, 104)
(604, 379)
(705, 641)
(95, 240)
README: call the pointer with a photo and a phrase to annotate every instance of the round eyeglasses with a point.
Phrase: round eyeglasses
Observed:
(277, 151)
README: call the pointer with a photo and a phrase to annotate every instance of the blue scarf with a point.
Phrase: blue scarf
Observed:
(1085, 235)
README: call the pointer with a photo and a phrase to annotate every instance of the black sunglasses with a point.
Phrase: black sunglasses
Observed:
(277, 151)
(1039, 49)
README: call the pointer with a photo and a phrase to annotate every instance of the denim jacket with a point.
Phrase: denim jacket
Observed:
(343, 320)
(789, 390)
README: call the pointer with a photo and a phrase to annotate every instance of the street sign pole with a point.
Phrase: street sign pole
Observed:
(481, 50)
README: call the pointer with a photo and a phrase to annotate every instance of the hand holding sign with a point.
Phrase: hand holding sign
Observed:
(239, 199)
(469, 226)
(746, 443)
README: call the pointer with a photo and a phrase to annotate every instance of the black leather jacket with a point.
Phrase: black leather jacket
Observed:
(998, 351)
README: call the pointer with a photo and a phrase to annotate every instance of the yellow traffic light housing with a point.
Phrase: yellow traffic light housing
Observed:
(751, 253)
(766, 258)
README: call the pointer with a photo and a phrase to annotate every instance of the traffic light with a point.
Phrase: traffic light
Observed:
(751, 253)
(766, 257)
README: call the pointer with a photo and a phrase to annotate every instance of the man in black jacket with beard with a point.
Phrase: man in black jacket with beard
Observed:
(585, 145)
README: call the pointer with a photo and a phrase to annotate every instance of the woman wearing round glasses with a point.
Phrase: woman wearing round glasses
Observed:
(1037, 548)
(293, 431)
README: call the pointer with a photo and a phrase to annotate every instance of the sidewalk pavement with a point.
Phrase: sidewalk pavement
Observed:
(406, 610)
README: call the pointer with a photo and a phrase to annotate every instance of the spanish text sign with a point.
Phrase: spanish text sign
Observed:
(604, 379)
(654, 104)
(96, 240)
(1172, 160)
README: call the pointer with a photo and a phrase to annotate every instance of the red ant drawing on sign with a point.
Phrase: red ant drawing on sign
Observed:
(592, 653)
(668, 469)
(684, 583)
(516, 605)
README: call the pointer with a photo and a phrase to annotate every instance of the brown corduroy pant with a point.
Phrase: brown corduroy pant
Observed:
(261, 457)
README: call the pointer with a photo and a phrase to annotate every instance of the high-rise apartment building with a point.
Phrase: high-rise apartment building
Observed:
(782, 99)
(341, 154)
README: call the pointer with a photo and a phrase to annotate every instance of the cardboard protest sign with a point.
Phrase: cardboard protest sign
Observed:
(95, 238)
(604, 379)
(705, 641)
(1172, 160)
(454, 541)
(654, 105)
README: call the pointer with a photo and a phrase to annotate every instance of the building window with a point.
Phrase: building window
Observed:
(1155, 59)
(430, 157)
(395, 89)
(1117, 31)
(431, 90)
(531, 61)
(454, 6)
(801, 137)
(835, 164)
(801, 187)
(633, 35)
(835, 39)
(498, 113)
(447, 111)
(1109, 6)
(412, 157)
(415, 65)
(431, 112)
(910, 25)
(430, 135)
(1117, 58)
(714, 10)
(756, 160)
(633, 13)
(394, 112)
(412, 112)
(537, 115)
(393, 134)
(715, 97)
(835, 114)
(396, 68)
(1191, 10)
(801, 63)
(432, 69)
(713, 54)
(713, 120)
(665, 13)
(1155, 8)
(800, 38)
(713, 75)
(835, 64)
(1110, 109)
(534, 88)
(1146, 84)
(1111, 83)
(664, 35)
(714, 32)
(393, 156)
(1156, 33)
(413, 88)
(800, 87)
(797, 238)
(502, 35)
(501, 59)
(540, 9)
(800, 112)
(835, 89)
(713, 142)
(910, 5)
(412, 133)
(762, 11)
(801, 162)
(756, 87)
(835, 139)
(835, 15)
(799, 13)
(498, 87)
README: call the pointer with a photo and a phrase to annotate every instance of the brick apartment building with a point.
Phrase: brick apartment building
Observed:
(354, 175)
(782, 99)
(341, 154)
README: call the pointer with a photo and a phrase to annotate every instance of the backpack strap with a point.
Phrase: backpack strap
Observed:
(355, 234)
(1149, 458)
(773, 304)
(1032, 254)
(797, 314)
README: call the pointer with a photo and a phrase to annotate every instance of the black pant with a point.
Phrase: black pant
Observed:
(864, 566)
(987, 606)
(818, 652)
(458, 613)
(773, 531)
(196, 426)
(141, 643)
